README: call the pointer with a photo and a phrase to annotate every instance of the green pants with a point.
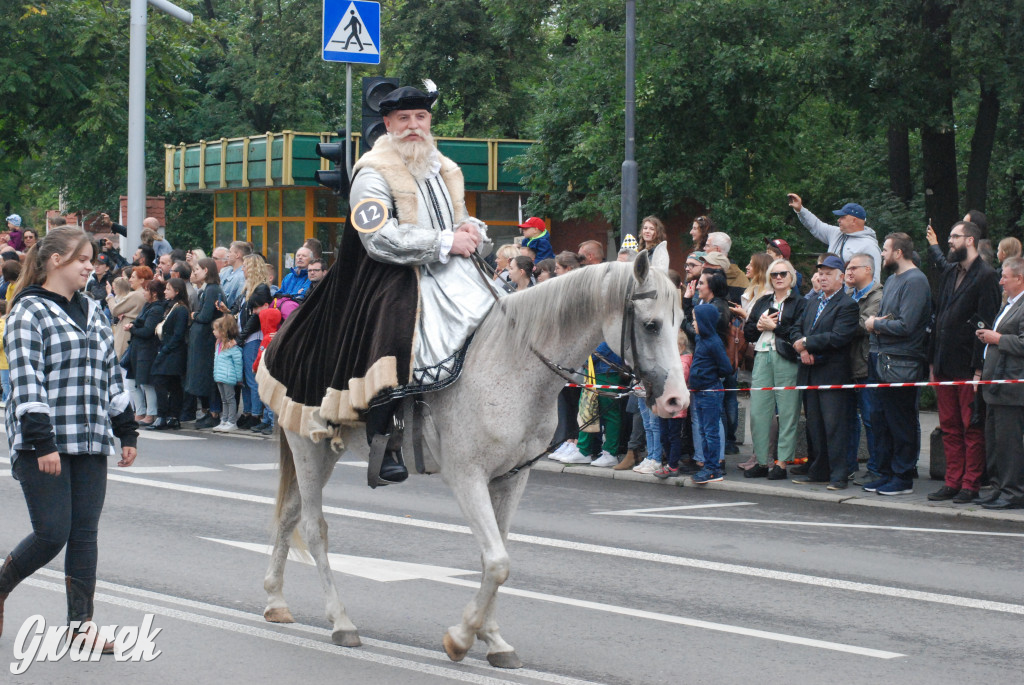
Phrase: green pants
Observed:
(611, 419)
(771, 370)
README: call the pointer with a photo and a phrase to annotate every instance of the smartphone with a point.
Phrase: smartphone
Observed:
(772, 310)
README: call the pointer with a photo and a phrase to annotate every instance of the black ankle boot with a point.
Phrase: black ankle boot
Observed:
(392, 469)
(9, 578)
(80, 606)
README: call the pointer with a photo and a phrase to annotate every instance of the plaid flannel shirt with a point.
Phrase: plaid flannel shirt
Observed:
(67, 373)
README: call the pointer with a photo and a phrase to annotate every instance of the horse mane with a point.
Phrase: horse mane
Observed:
(564, 304)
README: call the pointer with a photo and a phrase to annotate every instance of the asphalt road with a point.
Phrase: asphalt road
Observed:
(709, 587)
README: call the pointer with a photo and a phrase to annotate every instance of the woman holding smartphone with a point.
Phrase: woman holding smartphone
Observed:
(776, 364)
(67, 405)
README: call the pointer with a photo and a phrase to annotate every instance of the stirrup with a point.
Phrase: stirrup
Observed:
(380, 446)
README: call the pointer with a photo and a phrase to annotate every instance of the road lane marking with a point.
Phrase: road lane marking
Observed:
(368, 568)
(624, 553)
(269, 466)
(635, 512)
(150, 435)
(813, 524)
(158, 470)
(391, 570)
(420, 652)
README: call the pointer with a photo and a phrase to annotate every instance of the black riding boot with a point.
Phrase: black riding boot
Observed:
(383, 433)
(9, 578)
(80, 607)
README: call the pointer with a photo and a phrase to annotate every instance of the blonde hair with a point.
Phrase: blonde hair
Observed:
(1010, 247)
(759, 284)
(507, 252)
(255, 273)
(788, 266)
(63, 240)
(121, 286)
(226, 326)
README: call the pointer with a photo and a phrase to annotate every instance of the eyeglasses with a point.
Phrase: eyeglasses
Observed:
(779, 274)
(955, 235)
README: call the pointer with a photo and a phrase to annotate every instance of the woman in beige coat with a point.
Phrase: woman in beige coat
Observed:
(123, 310)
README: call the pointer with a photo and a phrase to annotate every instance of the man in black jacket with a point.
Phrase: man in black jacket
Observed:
(823, 337)
(968, 295)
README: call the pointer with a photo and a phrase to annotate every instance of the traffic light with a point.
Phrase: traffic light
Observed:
(337, 177)
(375, 88)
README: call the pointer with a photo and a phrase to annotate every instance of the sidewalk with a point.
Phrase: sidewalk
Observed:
(735, 482)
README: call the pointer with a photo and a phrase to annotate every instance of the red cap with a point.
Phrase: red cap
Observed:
(780, 245)
(534, 222)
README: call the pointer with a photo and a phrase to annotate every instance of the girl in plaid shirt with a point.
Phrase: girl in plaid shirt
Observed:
(67, 404)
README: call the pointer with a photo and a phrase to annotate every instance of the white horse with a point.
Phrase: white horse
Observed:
(486, 431)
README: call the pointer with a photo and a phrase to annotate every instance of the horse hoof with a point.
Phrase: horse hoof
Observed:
(346, 638)
(454, 652)
(278, 615)
(504, 660)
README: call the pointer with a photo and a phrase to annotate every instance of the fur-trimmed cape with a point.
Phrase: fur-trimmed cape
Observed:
(352, 339)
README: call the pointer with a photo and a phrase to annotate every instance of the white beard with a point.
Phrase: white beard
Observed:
(420, 156)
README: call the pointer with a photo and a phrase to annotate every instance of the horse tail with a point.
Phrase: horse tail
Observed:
(286, 466)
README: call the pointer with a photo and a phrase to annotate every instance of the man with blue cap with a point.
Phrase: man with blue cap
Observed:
(850, 237)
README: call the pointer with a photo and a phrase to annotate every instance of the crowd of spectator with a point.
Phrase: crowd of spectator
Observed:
(187, 328)
(866, 316)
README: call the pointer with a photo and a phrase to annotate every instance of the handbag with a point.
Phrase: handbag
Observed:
(126, 359)
(587, 417)
(737, 347)
(894, 368)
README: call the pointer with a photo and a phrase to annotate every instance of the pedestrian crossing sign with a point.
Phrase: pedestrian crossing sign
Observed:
(351, 31)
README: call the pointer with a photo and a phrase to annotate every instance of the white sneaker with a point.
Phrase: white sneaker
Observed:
(605, 461)
(647, 466)
(576, 457)
(224, 427)
(561, 451)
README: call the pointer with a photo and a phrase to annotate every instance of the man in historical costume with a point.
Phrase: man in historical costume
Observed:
(393, 316)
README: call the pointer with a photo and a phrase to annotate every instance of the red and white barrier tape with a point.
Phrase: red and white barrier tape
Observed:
(848, 386)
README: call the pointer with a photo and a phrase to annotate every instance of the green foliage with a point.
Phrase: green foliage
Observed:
(737, 101)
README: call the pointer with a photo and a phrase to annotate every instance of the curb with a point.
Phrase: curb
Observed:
(809, 492)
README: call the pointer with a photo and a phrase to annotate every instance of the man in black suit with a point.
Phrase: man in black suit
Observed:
(968, 293)
(1004, 425)
(823, 337)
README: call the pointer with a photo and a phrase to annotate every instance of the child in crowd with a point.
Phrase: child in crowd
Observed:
(270, 322)
(672, 429)
(227, 370)
(710, 365)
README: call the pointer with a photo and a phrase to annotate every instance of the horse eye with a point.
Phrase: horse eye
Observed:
(652, 326)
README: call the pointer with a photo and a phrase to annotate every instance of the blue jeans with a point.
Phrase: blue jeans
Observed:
(250, 393)
(64, 510)
(708, 409)
(861, 411)
(672, 440)
(653, 429)
(698, 436)
(5, 381)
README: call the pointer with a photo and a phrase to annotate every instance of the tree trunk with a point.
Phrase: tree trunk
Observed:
(938, 152)
(938, 135)
(981, 149)
(899, 162)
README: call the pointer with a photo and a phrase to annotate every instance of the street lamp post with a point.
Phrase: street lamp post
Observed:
(137, 115)
(630, 175)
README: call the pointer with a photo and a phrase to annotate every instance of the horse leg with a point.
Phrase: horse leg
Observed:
(286, 517)
(314, 463)
(505, 495)
(474, 499)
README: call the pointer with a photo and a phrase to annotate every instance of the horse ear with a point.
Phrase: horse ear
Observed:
(641, 266)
